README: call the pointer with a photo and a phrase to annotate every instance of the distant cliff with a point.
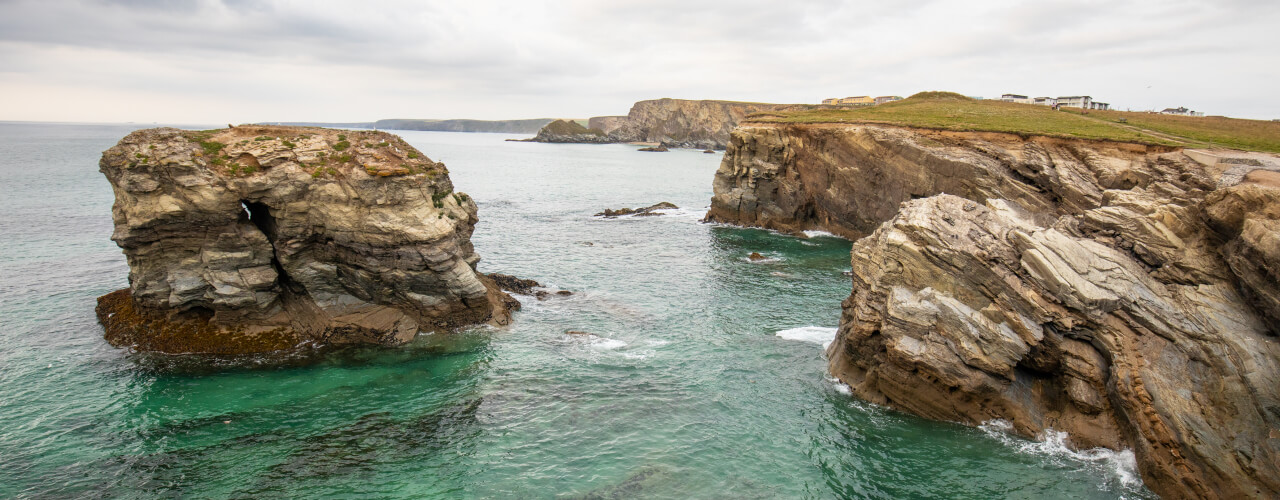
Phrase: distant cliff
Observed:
(681, 123)
(1122, 293)
(528, 126)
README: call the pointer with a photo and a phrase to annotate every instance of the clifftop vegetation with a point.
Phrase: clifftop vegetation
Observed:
(951, 111)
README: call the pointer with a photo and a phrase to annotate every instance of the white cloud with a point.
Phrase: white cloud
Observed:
(240, 61)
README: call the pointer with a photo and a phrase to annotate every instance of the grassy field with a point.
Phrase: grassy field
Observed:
(948, 111)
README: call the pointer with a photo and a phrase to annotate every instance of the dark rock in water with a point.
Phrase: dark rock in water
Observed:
(655, 149)
(709, 151)
(564, 293)
(755, 256)
(513, 284)
(576, 332)
(650, 210)
(261, 238)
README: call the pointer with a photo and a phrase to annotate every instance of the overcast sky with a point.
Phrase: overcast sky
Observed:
(239, 61)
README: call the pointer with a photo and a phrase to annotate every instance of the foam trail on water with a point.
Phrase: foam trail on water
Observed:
(1053, 446)
(813, 334)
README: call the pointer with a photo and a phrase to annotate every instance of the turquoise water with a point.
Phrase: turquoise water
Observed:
(685, 390)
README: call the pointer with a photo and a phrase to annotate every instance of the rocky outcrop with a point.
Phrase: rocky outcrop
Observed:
(1125, 294)
(650, 210)
(259, 238)
(676, 123)
(570, 131)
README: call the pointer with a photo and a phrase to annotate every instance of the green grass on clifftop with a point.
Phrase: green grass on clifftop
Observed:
(949, 111)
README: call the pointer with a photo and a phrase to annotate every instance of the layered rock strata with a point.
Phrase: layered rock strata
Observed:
(1123, 293)
(259, 238)
(676, 123)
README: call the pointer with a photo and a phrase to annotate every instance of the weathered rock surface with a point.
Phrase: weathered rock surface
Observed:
(259, 238)
(570, 131)
(654, 149)
(674, 123)
(1125, 294)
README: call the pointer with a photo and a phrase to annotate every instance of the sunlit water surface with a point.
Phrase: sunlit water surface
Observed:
(684, 390)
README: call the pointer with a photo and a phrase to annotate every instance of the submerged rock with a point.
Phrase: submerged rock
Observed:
(260, 238)
(513, 284)
(1126, 294)
(655, 149)
(648, 211)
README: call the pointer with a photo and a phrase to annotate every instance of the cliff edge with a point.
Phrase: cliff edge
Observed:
(261, 238)
(1123, 293)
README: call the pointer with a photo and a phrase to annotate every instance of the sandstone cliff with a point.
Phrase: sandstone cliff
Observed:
(259, 238)
(678, 123)
(1123, 293)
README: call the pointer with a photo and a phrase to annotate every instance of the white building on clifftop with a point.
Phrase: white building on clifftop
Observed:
(1082, 102)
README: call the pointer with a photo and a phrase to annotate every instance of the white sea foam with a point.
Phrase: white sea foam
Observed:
(657, 342)
(814, 233)
(813, 334)
(606, 343)
(1052, 445)
(840, 387)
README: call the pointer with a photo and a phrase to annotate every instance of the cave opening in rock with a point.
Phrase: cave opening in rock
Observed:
(260, 215)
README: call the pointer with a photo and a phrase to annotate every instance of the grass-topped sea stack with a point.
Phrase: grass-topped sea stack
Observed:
(259, 238)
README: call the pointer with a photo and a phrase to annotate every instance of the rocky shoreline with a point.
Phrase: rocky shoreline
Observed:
(261, 238)
(1122, 293)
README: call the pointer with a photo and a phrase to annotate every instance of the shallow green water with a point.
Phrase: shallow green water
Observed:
(684, 391)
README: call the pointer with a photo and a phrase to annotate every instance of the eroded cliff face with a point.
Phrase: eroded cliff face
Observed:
(259, 238)
(1122, 293)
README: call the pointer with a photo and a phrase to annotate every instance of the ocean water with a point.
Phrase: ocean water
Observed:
(702, 376)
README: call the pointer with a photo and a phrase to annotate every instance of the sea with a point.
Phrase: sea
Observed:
(702, 374)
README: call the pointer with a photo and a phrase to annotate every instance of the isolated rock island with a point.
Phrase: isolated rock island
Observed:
(1123, 293)
(262, 238)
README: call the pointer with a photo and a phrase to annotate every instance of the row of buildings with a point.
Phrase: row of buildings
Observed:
(862, 100)
(1073, 101)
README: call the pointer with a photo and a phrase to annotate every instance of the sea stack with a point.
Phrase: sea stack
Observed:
(1123, 293)
(262, 238)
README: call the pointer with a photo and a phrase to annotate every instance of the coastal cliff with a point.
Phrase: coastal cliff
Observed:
(676, 123)
(1122, 293)
(262, 238)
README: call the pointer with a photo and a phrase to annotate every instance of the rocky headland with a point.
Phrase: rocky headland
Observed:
(570, 131)
(1123, 293)
(263, 238)
(673, 123)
